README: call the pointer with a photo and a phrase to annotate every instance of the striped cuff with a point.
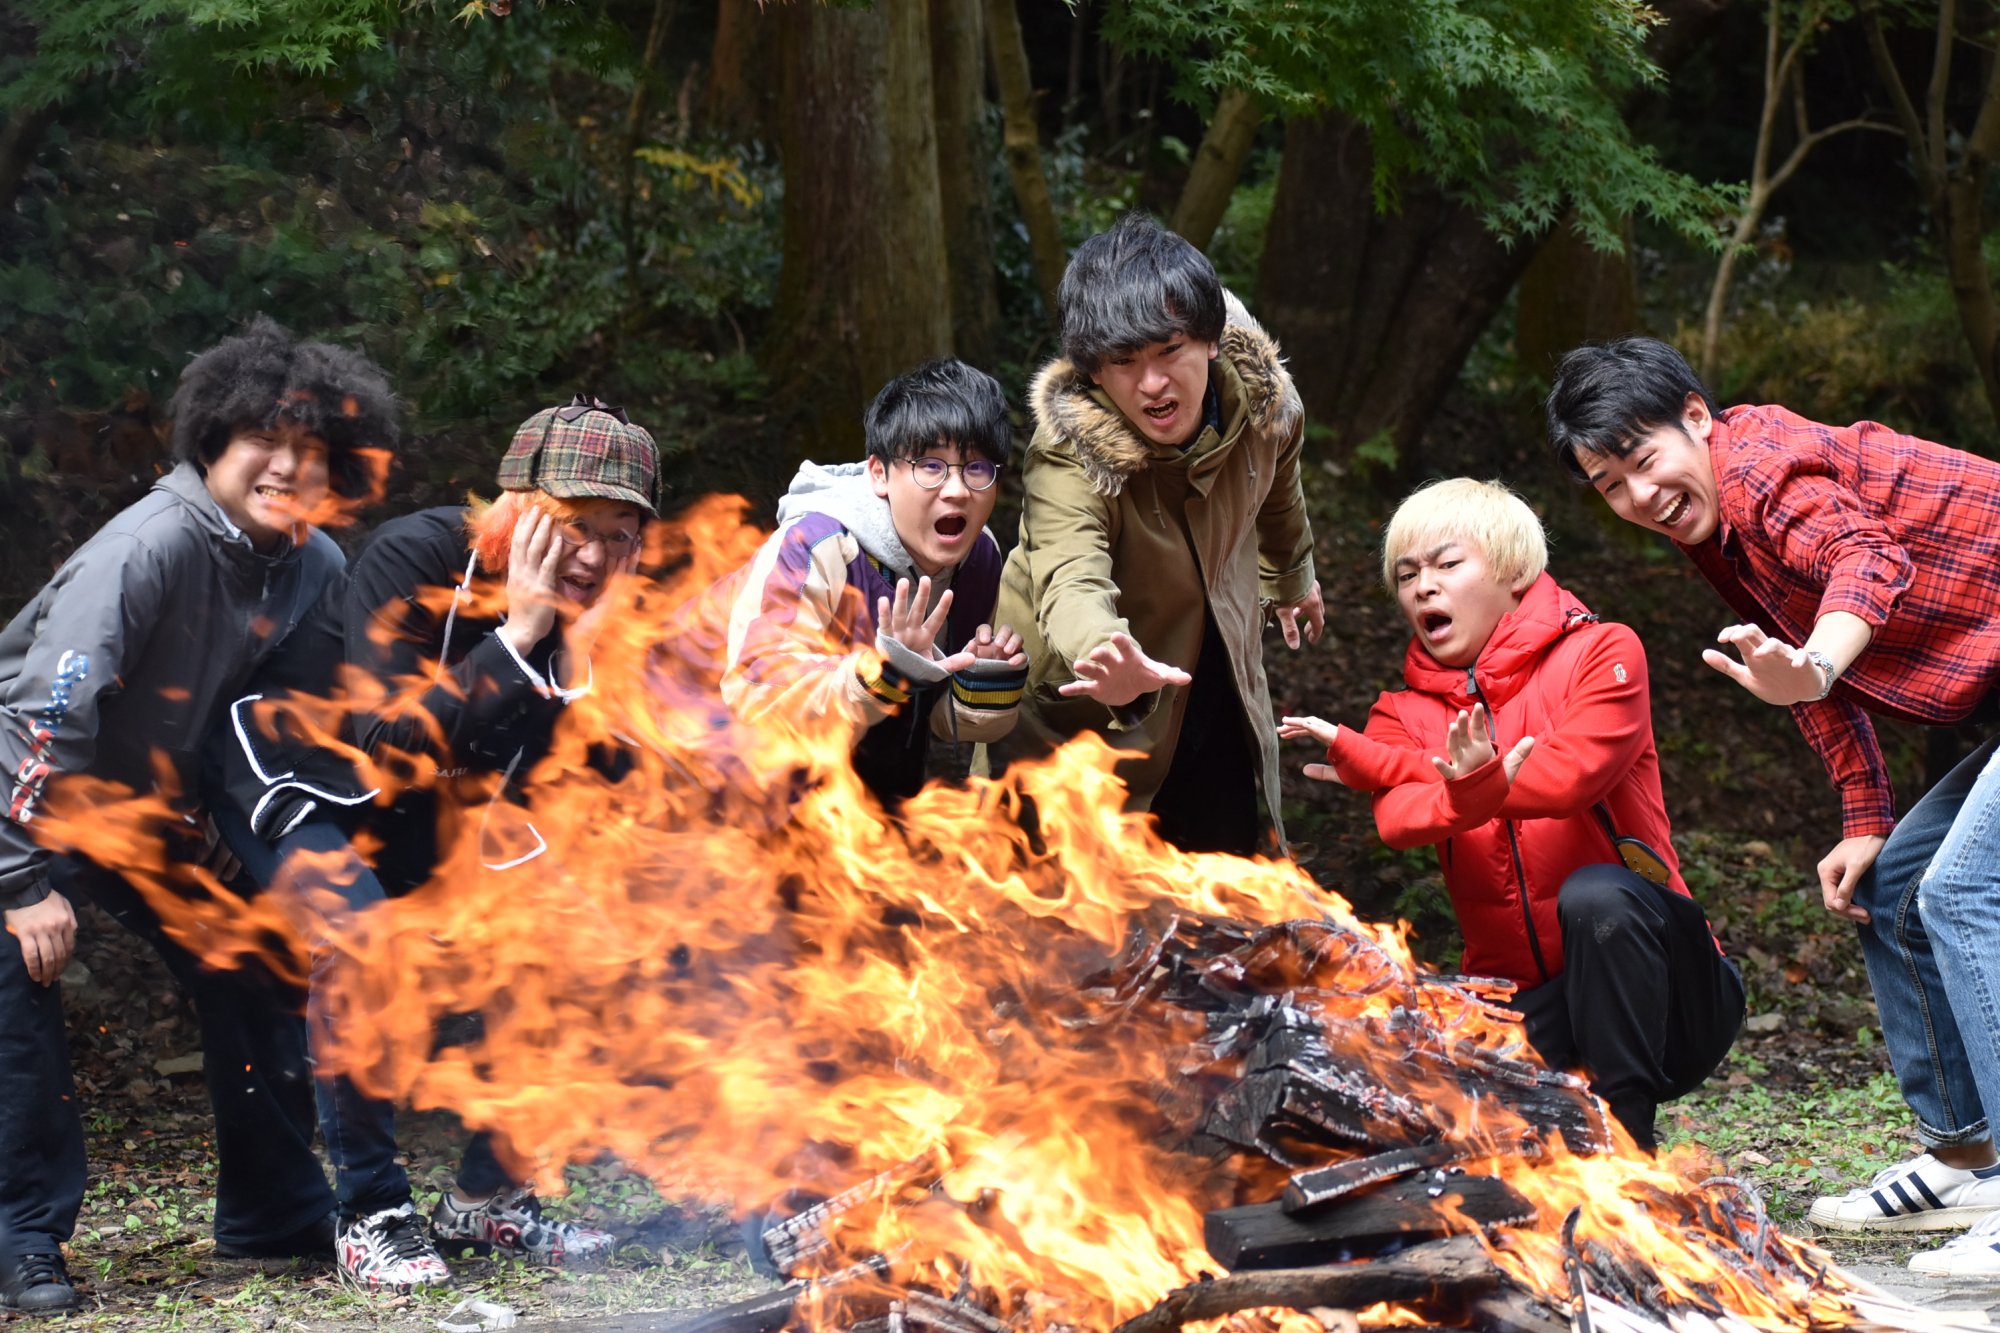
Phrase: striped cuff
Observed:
(982, 686)
(884, 683)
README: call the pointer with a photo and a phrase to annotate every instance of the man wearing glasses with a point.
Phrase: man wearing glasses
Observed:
(871, 606)
(1162, 522)
(475, 621)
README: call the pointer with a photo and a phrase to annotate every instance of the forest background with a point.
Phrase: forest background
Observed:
(737, 221)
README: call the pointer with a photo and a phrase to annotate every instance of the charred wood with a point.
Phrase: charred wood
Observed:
(1310, 1189)
(1264, 1235)
(1438, 1280)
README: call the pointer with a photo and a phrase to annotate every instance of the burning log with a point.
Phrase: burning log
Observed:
(1267, 1235)
(1310, 1189)
(790, 1241)
(1440, 1280)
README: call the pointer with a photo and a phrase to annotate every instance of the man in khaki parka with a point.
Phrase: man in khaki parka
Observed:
(1162, 521)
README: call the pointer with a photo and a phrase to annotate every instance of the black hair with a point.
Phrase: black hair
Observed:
(1609, 396)
(263, 375)
(1133, 285)
(940, 402)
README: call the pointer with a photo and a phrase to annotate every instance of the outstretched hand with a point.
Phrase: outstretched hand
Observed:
(1116, 672)
(997, 645)
(905, 621)
(1771, 669)
(1469, 746)
(1313, 729)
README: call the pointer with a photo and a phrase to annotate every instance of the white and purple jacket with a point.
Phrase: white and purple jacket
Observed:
(804, 643)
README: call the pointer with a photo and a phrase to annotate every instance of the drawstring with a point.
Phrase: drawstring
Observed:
(451, 617)
(541, 843)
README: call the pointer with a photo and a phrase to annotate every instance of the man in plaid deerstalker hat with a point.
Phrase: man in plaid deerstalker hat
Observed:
(578, 484)
(584, 450)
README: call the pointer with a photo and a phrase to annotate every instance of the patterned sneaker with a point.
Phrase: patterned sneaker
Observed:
(1975, 1254)
(388, 1251)
(513, 1226)
(1922, 1194)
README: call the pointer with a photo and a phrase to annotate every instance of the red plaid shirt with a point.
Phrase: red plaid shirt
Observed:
(1899, 531)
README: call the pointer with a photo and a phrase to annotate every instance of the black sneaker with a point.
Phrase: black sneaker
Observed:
(314, 1240)
(36, 1284)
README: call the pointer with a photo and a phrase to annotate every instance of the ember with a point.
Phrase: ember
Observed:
(1004, 1079)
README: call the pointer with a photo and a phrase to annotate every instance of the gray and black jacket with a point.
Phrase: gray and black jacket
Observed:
(135, 649)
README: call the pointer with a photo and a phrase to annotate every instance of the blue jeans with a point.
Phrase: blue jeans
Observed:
(1929, 944)
(268, 1183)
(1958, 901)
(360, 1131)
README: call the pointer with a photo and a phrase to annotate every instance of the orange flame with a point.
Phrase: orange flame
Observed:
(734, 972)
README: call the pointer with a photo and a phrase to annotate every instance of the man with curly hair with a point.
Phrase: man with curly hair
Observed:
(128, 657)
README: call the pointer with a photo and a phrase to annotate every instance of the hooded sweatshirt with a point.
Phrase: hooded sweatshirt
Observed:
(134, 649)
(804, 640)
(1550, 670)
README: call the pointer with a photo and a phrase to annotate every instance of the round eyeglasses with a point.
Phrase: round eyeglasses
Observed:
(931, 473)
(616, 542)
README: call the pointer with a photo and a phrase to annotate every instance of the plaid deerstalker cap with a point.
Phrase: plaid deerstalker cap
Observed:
(585, 450)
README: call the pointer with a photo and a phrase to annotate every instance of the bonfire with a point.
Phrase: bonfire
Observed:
(999, 1063)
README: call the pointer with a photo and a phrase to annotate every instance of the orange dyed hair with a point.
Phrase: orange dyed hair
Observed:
(491, 526)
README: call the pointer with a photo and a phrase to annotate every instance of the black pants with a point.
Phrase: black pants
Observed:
(1646, 1004)
(253, 1040)
(1210, 800)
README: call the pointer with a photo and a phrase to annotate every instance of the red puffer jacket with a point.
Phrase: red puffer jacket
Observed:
(1551, 670)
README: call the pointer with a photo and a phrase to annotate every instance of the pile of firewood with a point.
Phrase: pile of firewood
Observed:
(1380, 1127)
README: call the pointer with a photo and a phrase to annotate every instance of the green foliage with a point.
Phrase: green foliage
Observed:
(182, 49)
(1516, 106)
(1889, 348)
(452, 199)
(1793, 1144)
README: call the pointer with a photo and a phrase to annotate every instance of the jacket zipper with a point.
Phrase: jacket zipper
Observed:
(1514, 847)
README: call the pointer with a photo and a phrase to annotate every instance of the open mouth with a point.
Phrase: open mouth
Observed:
(1164, 411)
(277, 494)
(950, 526)
(1436, 624)
(1676, 511)
(577, 590)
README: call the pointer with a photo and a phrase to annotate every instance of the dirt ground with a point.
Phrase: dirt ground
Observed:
(143, 1256)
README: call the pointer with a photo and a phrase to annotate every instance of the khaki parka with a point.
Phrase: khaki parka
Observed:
(1119, 534)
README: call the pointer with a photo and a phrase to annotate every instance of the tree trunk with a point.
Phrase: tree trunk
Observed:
(1024, 149)
(1570, 294)
(1378, 313)
(958, 75)
(19, 139)
(628, 166)
(1217, 164)
(863, 294)
(739, 103)
(1953, 189)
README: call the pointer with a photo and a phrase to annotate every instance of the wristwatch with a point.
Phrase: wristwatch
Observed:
(1825, 664)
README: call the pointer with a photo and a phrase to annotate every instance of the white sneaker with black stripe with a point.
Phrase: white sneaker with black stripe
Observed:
(1922, 1194)
(1975, 1254)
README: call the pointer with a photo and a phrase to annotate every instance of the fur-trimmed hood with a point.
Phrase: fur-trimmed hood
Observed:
(1111, 449)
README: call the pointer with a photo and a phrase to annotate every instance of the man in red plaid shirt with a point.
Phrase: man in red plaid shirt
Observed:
(1864, 569)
